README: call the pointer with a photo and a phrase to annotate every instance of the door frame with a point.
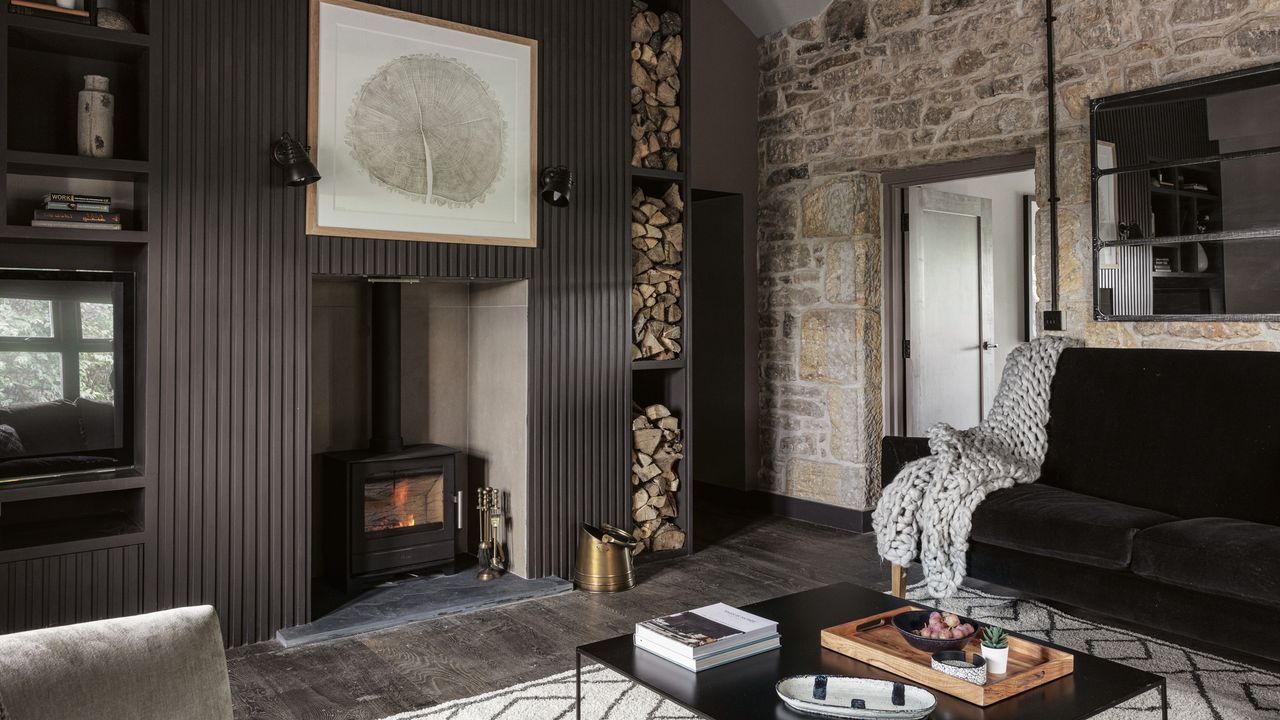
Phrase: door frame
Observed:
(894, 184)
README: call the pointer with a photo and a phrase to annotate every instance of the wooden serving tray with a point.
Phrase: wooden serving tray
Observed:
(1030, 665)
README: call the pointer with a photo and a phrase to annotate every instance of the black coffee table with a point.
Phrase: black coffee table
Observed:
(744, 690)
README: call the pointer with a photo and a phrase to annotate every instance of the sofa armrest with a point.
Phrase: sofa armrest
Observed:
(160, 666)
(895, 452)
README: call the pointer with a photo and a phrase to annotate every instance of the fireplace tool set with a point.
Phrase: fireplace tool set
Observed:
(493, 561)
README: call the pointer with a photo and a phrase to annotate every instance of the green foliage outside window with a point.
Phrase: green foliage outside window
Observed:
(36, 375)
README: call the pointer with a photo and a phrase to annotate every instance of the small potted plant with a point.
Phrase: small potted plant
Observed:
(995, 649)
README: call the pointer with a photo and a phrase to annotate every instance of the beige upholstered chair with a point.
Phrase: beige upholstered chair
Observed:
(160, 666)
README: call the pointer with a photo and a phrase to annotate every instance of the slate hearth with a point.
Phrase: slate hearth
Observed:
(417, 599)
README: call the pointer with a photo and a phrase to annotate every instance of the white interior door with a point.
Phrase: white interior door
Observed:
(950, 318)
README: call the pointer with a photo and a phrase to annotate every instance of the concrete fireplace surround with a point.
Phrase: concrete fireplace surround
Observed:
(464, 361)
(870, 86)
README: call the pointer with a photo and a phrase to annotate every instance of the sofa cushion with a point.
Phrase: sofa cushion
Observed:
(1194, 433)
(98, 422)
(1052, 522)
(1219, 556)
(46, 428)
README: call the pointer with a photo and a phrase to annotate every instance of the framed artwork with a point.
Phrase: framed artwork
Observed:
(422, 129)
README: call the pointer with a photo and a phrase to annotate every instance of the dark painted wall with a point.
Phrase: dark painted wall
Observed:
(1246, 121)
(725, 75)
(230, 442)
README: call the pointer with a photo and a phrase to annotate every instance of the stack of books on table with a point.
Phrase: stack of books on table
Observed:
(90, 212)
(705, 638)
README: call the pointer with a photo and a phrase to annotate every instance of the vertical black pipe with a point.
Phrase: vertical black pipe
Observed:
(1051, 82)
(384, 369)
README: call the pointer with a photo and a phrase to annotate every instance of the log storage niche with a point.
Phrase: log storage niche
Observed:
(657, 47)
(662, 429)
(657, 250)
(658, 447)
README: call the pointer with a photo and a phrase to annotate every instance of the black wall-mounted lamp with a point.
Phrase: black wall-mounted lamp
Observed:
(289, 154)
(557, 185)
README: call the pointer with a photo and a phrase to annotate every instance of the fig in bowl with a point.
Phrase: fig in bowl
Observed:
(934, 631)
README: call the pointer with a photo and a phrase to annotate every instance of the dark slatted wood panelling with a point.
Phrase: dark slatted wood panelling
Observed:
(72, 588)
(231, 441)
(357, 256)
(231, 446)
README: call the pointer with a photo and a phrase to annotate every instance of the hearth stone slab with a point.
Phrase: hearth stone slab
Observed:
(420, 599)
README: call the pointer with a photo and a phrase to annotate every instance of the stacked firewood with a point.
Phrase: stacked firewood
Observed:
(657, 249)
(658, 445)
(657, 47)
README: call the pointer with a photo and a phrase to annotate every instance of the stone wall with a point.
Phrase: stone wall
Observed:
(872, 85)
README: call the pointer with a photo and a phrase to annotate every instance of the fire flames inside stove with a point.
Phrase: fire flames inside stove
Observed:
(403, 501)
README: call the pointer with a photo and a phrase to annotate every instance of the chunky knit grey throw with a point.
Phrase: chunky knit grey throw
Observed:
(927, 511)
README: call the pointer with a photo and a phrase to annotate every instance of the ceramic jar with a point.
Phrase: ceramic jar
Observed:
(95, 118)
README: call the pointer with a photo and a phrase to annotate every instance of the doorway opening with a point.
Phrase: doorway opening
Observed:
(960, 287)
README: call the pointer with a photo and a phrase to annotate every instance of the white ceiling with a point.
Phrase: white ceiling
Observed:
(766, 16)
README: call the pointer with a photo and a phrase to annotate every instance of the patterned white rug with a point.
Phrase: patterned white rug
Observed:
(1201, 686)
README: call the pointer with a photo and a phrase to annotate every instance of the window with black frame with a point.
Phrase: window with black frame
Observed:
(63, 390)
(1185, 224)
(57, 345)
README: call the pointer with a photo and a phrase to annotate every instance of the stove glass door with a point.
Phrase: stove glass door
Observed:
(396, 500)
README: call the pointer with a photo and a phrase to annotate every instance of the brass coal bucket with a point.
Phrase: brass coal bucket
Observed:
(604, 559)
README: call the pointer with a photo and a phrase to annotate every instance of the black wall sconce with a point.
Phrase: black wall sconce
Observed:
(289, 154)
(557, 185)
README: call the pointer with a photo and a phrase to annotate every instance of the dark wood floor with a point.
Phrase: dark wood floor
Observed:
(740, 560)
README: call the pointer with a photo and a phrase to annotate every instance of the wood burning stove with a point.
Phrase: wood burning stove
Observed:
(389, 509)
(389, 513)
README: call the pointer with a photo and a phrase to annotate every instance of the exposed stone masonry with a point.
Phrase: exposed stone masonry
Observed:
(881, 84)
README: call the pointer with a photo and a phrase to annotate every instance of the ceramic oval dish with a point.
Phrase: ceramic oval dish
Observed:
(957, 664)
(834, 696)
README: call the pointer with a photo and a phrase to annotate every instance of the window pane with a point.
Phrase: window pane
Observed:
(96, 321)
(24, 318)
(29, 377)
(97, 376)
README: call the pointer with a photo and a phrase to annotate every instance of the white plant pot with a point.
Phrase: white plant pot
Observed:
(997, 660)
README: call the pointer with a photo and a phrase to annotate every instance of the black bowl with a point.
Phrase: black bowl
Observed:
(908, 622)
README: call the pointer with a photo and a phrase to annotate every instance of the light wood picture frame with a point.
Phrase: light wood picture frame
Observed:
(422, 129)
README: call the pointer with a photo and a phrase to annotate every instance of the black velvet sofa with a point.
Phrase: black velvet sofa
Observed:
(1159, 498)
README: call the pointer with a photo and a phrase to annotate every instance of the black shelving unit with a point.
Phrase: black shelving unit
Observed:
(1186, 201)
(46, 60)
(668, 381)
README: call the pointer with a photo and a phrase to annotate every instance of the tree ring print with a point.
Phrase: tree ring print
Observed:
(429, 128)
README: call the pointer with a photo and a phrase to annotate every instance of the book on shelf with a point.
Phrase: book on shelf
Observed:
(82, 206)
(78, 216)
(36, 8)
(76, 225)
(715, 659)
(71, 198)
(706, 631)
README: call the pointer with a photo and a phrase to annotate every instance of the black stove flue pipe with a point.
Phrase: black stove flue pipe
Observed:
(384, 369)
